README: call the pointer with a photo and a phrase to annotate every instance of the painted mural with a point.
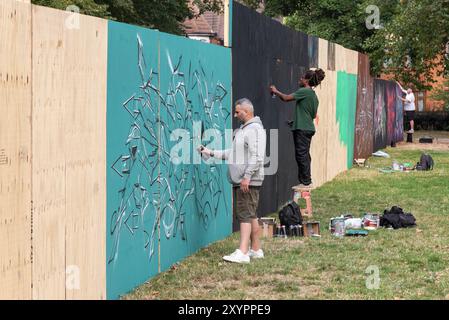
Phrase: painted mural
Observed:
(379, 116)
(399, 123)
(162, 205)
(346, 110)
(363, 141)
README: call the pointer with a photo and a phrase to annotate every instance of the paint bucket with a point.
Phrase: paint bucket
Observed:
(371, 221)
(396, 166)
(353, 223)
(311, 229)
(296, 196)
(337, 226)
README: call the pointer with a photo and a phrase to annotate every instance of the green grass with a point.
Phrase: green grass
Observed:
(413, 263)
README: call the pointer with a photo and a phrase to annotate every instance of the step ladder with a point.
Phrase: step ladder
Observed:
(306, 194)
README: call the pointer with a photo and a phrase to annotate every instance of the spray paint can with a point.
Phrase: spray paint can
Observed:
(284, 232)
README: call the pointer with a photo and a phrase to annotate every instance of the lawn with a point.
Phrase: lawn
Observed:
(411, 263)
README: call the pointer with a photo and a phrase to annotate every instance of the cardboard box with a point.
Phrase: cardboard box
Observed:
(311, 229)
(267, 227)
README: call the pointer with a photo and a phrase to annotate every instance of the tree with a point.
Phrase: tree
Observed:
(164, 15)
(414, 43)
(411, 39)
(88, 7)
(340, 21)
(442, 94)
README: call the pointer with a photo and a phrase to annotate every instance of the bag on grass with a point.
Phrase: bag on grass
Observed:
(396, 218)
(425, 162)
(290, 215)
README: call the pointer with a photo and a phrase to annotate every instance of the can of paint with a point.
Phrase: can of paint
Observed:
(296, 196)
(337, 226)
(396, 166)
(371, 221)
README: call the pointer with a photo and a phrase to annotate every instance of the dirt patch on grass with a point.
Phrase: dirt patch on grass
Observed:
(436, 145)
(276, 244)
(276, 286)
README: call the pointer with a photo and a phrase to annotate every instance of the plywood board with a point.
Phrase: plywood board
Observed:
(132, 188)
(318, 151)
(272, 54)
(399, 125)
(346, 60)
(195, 198)
(335, 150)
(390, 102)
(15, 150)
(69, 135)
(363, 142)
(379, 115)
(346, 110)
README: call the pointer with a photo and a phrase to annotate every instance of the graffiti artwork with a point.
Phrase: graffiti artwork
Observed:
(162, 203)
(379, 115)
(363, 143)
(390, 96)
(399, 123)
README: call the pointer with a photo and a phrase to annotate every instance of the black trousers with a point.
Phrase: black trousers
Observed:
(302, 140)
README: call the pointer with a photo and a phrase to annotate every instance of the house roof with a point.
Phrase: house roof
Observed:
(198, 26)
(208, 23)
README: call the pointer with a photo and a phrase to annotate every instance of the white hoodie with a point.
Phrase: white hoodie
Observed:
(246, 158)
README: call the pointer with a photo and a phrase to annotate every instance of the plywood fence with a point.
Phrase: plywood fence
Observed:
(91, 204)
(15, 150)
(77, 93)
(350, 126)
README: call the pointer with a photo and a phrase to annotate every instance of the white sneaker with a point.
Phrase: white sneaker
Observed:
(255, 254)
(305, 186)
(238, 257)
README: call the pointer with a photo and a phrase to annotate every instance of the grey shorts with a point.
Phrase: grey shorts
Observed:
(246, 203)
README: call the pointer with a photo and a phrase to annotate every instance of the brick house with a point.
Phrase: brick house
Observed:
(209, 28)
(423, 99)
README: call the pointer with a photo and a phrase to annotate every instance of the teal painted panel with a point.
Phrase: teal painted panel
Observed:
(346, 109)
(132, 167)
(196, 96)
(158, 210)
(230, 21)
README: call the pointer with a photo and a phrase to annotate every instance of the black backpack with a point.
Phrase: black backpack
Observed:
(396, 218)
(290, 215)
(425, 162)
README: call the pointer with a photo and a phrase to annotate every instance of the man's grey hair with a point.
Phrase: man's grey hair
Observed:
(246, 104)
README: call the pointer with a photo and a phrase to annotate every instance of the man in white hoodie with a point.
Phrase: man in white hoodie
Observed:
(409, 106)
(246, 173)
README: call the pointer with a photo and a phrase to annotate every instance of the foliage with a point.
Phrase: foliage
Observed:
(410, 40)
(88, 7)
(164, 15)
(442, 94)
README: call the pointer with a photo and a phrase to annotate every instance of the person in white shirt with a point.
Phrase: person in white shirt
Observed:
(409, 106)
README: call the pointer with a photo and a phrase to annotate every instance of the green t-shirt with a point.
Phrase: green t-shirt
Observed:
(306, 108)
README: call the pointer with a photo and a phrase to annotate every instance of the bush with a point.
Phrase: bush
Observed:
(430, 121)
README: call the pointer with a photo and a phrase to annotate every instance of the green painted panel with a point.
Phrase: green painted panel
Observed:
(132, 239)
(346, 109)
(196, 197)
(158, 210)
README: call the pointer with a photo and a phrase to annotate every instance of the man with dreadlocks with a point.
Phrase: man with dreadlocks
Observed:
(303, 127)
